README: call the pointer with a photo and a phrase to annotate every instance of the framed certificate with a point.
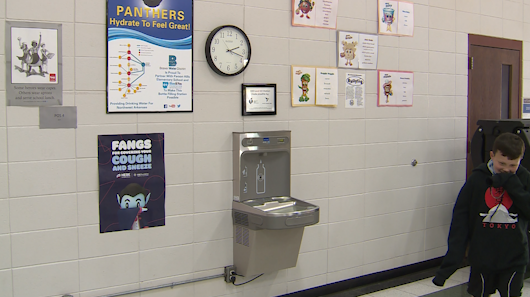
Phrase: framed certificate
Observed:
(258, 99)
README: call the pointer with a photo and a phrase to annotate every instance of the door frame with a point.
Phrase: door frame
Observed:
(510, 44)
(501, 43)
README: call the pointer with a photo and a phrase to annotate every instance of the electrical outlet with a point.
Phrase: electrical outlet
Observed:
(230, 273)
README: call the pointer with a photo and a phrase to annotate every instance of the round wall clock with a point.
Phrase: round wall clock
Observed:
(227, 50)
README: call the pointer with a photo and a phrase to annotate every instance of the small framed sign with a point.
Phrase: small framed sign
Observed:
(258, 99)
(57, 117)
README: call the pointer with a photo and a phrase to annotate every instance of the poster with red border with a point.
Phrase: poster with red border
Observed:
(315, 13)
(395, 88)
(395, 18)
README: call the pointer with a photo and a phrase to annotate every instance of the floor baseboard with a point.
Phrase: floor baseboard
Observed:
(374, 282)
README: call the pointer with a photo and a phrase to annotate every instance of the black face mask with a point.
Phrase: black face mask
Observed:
(152, 3)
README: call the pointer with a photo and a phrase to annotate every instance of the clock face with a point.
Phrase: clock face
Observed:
(228, 50)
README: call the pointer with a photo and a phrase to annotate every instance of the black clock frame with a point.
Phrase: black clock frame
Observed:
(209, 55)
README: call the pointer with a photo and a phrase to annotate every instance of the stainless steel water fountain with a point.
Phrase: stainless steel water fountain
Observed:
(268, 222)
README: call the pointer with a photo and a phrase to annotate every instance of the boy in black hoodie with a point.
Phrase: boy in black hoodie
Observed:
(491, 215)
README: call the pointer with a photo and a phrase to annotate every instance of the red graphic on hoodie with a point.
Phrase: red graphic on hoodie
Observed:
(500, 194)
(498, 200)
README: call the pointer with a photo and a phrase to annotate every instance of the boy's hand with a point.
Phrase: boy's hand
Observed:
(498, 180)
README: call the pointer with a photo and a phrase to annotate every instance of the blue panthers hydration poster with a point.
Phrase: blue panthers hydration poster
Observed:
(132, 184)
(149, 55)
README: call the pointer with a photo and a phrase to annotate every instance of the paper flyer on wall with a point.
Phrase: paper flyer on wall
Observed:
(395, 88)
(406, 19)
(327, 83)
(149, 55)
(315, 13)
(33, 64)
(356, 50)
(131, 181)
(396, 17)
(355, 90)
(369, 49)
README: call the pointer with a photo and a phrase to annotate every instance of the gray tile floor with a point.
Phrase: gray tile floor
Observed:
(455, 286)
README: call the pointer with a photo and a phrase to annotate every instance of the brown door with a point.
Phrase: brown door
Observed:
(494, 82)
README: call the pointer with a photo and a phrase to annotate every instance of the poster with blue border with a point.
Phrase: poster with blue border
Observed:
(132, 184)
(149, 55)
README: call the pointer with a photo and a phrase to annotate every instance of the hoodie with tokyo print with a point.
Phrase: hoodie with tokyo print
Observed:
(490, 215)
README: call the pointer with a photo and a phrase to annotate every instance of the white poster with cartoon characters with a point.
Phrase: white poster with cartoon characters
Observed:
(347, 47)
(303, 86)
(388, 13)
(33, 64)
(395, 88)
(315, 13)
(356, 50)
(396, 17)
(34, 49)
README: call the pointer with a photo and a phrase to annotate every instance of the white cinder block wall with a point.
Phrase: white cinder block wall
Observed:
(377, 211)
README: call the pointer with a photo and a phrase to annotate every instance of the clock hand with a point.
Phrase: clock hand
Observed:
(237, 54)
(232, 51)
(226, 46)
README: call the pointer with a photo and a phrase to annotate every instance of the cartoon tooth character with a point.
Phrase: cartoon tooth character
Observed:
(388, 18)
(387, 87)
(349, 50)
(132, 200)
(305, 79)
(305, 6)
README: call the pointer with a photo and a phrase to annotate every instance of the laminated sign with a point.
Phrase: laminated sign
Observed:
(149, 55)
(131, 181)
(34, 64)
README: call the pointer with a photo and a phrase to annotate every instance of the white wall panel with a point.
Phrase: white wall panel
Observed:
(90, 11)
(377, 212)
(347, 208)
(5, 258)
(6, 283)
(47, 10)
(47, 280)
(27, 213)
(491, 26)
(441, 18)
(102, 272)
(56, 245)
